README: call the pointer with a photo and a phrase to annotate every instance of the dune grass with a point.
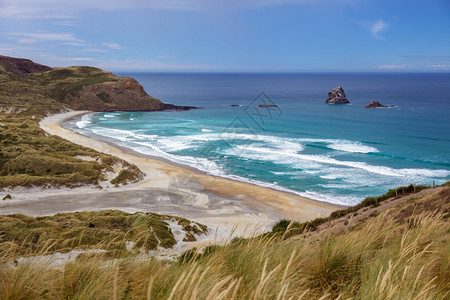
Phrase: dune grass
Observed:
(30, 157)
(386, 257)
(22, 235)
(295, 228)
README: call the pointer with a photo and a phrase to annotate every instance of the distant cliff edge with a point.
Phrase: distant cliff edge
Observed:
(25, 84)
(20, 66)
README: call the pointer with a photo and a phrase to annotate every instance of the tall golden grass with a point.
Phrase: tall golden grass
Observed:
(382, 258)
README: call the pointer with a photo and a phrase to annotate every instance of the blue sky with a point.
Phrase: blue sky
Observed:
(231, 36)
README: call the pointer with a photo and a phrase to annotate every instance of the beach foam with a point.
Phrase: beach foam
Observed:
(85, 121)
(328, 168)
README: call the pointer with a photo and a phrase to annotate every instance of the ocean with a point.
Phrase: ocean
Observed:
(334, 153)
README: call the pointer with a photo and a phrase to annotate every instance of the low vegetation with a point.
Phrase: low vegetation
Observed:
(402, 253)
(43, 93)
(30, 157)
(298, 227)
(21, 235)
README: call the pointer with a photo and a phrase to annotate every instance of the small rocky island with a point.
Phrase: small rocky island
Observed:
(376, 104)
(337, 96)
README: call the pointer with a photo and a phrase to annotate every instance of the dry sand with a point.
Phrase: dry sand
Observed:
(220, 203)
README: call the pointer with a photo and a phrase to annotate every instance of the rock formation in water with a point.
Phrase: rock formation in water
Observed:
(337, 96)
(376, 104)
(267, 105)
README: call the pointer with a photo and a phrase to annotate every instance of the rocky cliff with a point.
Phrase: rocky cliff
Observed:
(79, 88)
(20, 66)
(337, 96)
(86, 88)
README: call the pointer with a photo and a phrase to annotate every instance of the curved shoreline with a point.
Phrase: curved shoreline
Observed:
(69, 124)
(160, 173)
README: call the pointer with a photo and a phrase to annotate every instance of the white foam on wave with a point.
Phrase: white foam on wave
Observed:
(121, 135)
(292, 145)
(278, 150)
(348, 146)
(208, 166)
(85, 121)
(329, 176)
(342, 145)
(283, 157)
(341, 200)
(200, 163)
(111, 115)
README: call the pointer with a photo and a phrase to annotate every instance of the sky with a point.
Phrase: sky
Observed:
(230, 35)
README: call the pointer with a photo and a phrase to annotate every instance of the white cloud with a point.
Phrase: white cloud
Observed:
(95, 50)
(148, 65)
(391, 67)
(113, 46)
(378, 27)
(33, 37)
(438, 67)
(45, 9)
(169, 56)
(82, 59)
(32, 10)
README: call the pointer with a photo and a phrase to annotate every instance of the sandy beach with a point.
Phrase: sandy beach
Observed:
(227, 206)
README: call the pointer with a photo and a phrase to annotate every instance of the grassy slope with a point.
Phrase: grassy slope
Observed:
(402, 253)
(43, 93)
(63, 232)
(28, 156)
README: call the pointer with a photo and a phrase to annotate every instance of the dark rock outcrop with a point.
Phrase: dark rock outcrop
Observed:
(167, 106)
(337, 96)
(20, 66)
(267, 105)
(376, 104)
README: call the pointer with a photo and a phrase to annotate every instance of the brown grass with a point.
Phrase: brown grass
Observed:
(382, 258)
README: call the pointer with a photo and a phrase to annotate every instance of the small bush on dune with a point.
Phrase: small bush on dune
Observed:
(126, 176)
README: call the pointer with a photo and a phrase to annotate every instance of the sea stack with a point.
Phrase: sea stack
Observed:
(337, 96)
(376, 104)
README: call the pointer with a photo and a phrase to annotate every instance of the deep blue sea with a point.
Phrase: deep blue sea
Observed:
(335, 153)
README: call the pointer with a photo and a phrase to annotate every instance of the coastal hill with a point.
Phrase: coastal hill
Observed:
(31, 91)
(30, 87)
(20, 66)
(81, 88)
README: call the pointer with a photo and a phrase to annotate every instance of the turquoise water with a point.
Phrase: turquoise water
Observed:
(336, 153)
